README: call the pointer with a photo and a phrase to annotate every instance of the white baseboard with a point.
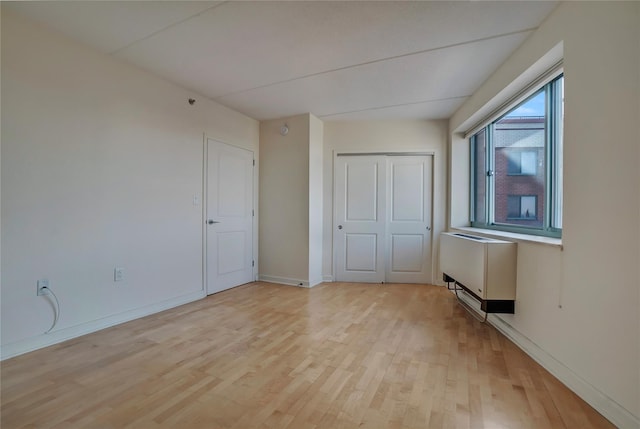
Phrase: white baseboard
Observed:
(283, 281)
(602, 403)
(327, 279)
(30, 344)
(315, 282)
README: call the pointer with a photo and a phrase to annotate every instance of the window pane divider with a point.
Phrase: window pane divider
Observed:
(490, 179)
(548, 157)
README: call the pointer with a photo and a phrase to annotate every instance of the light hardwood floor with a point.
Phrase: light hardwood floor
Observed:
(262, 355)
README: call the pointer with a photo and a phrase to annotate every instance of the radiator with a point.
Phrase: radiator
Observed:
(484, 267)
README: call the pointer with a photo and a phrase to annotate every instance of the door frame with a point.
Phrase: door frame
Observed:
(204, 202)
(334, 209)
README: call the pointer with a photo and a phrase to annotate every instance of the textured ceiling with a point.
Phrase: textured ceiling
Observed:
(337, 60)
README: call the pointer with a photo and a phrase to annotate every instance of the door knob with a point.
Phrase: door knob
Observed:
(211, 222)
(339, 226)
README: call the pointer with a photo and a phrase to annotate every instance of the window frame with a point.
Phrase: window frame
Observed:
(553, 158)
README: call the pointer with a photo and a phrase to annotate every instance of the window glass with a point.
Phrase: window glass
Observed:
(517, 166)
(519, 145)
(528, 163)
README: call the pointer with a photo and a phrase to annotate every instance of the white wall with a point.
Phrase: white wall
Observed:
(580, 306)
(100, 165)
(284, 200)
(384, 136)
(316, 142)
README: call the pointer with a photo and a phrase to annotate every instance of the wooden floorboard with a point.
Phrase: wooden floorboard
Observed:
(262, 355)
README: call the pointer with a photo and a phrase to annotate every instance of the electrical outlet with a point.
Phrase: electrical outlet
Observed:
(118, 274)
(42, 287)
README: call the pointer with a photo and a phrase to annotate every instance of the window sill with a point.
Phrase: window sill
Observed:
(513, 236)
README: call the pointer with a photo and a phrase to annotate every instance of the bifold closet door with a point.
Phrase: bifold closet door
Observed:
(408, 230)
(382, 224)
(360, 222)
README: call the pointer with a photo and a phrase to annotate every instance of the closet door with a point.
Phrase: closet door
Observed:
(360, 218)
(408, 228)
(382, 218)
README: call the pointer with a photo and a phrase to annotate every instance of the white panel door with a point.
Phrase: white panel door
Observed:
(408, 230)
(382, 223)
(359, 230)
(229, 216)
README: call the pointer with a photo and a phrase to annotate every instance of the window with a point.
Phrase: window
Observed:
(516, 165)
(522, 207)
(522, 163)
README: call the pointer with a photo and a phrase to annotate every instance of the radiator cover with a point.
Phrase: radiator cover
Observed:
(484, 267)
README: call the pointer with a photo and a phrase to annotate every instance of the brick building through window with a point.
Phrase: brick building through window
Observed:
(519, 170)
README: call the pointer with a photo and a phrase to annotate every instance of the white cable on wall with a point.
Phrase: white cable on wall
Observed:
(57, 309)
